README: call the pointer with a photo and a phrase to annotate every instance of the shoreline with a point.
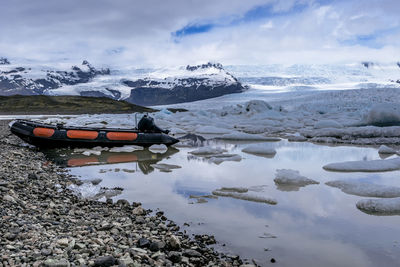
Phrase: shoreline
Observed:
(44, 224)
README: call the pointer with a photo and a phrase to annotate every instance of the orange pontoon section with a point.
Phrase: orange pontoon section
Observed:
(122, 158)
(43, 132)
(81, 134)
(82, 161)
(121, 136)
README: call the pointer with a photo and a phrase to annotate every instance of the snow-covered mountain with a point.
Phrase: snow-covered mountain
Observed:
(183, 85)
(33, 80)
(139, 86)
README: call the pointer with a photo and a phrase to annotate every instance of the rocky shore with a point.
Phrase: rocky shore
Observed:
(43, 224)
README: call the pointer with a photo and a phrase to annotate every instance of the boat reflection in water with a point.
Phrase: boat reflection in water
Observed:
(143, 158)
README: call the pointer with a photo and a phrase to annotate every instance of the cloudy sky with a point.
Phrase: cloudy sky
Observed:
(177, 32)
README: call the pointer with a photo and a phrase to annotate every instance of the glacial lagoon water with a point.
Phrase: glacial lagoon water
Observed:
(315, 225)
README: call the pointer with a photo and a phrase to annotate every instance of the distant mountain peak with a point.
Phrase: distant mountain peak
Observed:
(368, 64)
(4, 61)
(205, 66)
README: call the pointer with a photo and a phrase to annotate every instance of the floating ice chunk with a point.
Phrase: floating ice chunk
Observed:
(94, 181)
(383, 115)
(212, 130)
(249, 108)
(380, 206)
(297, 138)
(127, 148)
(365, 166)
(247, 137)
(165, 167)
(260, 149)
(158, 148)
(292, 177)
(95, 192)
(246, 196)
(386, 150)
(86, 190)
(207, 151)
(234, 189)
(365, 189)
(90, 152)
(175, 131)
(221, 158)
(87, 152)
(327, 124)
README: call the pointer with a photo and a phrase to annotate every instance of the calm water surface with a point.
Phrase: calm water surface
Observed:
(316, 225)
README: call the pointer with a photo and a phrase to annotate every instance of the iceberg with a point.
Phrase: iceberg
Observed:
(127, 148)
(158, 148)
(246, 196)
(247, 137)
(218, 159)
(211, 130)
(386, 114)
(260, 149)
(380, 206)
(163, 167)
(365, 166)
(292, 177)
(365, 189)
(207, 151)
(327, 124)
(386, 150)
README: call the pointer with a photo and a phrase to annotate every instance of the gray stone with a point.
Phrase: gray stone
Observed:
(56, 263)
(191, 253)
(46, 252)
(175, 256)
(156, 246)
(105, 261)
(143, 243)
(138, 211)
(174, 242)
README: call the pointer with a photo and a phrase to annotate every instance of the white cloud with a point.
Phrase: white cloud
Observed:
(139, 32)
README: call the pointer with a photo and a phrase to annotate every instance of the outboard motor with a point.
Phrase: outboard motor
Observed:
(147, 125)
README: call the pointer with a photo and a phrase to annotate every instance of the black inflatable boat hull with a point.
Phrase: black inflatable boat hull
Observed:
(46, 135)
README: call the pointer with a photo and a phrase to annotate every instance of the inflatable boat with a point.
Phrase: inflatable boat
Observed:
(46, 135)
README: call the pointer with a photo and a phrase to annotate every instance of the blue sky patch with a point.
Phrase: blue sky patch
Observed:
(255, 14)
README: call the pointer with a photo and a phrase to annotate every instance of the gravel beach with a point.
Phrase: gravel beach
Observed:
(43, 224)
